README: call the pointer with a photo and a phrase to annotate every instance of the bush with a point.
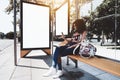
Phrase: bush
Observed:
(10, 35)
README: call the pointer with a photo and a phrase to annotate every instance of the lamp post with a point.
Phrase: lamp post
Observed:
(116, 6)
(15, 47)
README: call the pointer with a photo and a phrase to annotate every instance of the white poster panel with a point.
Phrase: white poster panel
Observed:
(62, 20)
(35, 29)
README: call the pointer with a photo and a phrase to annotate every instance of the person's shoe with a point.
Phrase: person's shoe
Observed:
(58, 74)
(51, 72)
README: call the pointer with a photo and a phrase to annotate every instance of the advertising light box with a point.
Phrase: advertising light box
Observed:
(35, 30)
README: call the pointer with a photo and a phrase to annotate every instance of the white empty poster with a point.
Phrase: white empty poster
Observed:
(62, 20)
(35, 26)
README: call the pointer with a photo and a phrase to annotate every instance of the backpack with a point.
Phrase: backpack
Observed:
(86, 49)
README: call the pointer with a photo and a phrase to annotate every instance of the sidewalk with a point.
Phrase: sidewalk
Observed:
(37, 63)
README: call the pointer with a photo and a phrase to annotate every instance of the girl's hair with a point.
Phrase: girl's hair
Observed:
(80, 25)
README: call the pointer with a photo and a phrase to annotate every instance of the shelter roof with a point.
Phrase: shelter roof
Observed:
(56, 3)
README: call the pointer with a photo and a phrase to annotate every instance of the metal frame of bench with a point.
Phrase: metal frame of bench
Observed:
(74, 60)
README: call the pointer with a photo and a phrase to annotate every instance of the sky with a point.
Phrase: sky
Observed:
(87, 7)
(5, 19)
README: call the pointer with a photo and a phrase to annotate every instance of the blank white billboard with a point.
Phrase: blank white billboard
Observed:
(62, 20)
(35, 26)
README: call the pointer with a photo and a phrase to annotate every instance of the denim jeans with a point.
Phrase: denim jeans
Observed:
(60, 52)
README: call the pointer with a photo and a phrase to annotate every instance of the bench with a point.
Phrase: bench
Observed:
(102, 63)
(98, 62)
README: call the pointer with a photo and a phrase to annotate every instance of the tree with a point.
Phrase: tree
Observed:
(103, 18)
(10, 7)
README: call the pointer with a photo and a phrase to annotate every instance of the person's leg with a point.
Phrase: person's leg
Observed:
(65, 52)
(57, 55)
(52, 69)
(59, 71)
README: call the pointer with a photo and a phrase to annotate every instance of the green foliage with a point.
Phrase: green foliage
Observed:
(107, 8)
(103, 19)
(10, 35)
(10, 7)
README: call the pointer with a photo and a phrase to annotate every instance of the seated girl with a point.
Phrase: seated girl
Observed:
(78, 35)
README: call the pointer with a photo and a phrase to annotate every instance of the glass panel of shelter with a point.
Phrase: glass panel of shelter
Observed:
(107, 35)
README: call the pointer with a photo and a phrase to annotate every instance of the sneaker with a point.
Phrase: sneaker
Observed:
(58, 74)
(51, 72)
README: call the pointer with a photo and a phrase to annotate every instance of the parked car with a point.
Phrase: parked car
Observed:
(2, 35)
